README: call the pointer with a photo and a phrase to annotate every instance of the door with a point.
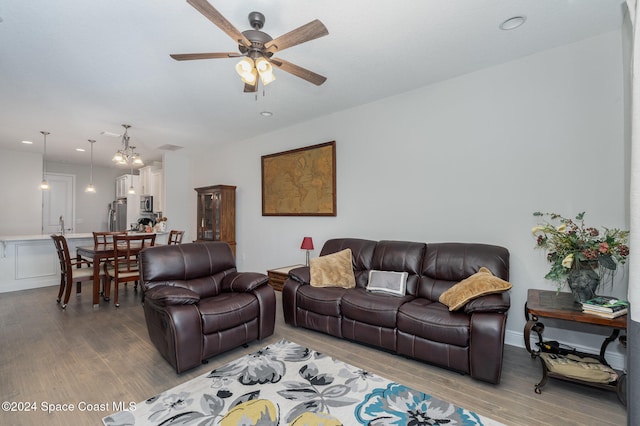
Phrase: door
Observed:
(58, 201)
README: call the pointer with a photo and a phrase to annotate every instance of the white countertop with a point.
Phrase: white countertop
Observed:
(36, 237)
(40, 237)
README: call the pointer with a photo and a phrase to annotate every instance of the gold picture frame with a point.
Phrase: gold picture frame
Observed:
(300, 182)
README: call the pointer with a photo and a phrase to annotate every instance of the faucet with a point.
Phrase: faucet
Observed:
(61, 224)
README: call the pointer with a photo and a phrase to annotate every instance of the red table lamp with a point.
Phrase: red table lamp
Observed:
(307, 244)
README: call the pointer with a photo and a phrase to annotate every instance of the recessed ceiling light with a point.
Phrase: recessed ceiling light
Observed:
(80, 149)
(513, 23)
(27, 142)
(266, 113)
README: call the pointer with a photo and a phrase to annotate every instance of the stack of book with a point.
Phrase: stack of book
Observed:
(605, 307)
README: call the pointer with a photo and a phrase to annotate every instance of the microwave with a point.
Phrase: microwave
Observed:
(146, 204)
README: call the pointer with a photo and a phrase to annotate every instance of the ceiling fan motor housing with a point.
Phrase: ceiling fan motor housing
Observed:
(256, 20)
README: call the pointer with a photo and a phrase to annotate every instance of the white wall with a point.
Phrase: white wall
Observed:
(20, 174)
(469, 159)
(180, 198)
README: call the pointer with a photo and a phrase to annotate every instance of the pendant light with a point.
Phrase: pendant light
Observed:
(90, 188)
(44, 185)
(132, 190)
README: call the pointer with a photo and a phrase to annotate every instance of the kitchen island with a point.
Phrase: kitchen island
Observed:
(31, 261)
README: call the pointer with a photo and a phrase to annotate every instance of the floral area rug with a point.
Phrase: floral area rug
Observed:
(287, 384)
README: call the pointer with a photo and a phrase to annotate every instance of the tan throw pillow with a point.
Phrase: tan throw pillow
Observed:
(333, 270)
(481, 283)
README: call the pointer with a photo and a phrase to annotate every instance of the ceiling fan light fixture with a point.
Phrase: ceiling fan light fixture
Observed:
(265, 70)
(246, 71)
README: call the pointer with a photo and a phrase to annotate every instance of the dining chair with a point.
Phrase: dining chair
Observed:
(71, 270)
(123, 267)
(106, 237)
(175, 237)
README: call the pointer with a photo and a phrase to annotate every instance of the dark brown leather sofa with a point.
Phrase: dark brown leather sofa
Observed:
(197, 305)
(469, 340)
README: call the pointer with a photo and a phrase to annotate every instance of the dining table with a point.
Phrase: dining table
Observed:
(97, 253)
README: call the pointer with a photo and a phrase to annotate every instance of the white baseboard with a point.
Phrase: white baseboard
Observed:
(616, 360)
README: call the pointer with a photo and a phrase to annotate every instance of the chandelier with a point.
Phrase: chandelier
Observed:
(127, 155)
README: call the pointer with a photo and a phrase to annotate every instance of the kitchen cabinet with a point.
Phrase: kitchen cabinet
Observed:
(217, 214)
(123, 183)
(152, 183)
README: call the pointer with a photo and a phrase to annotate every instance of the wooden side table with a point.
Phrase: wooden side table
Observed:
(278, 276)
(551, 304)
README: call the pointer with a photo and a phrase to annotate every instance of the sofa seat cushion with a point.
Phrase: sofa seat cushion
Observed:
(227, 310)
(320, 300)
(433, 321)
(372, 308)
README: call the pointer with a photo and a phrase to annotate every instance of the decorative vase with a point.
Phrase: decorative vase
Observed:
(583, 282)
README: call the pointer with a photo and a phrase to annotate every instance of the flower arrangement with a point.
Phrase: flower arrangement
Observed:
(572, 245)
(161, 224)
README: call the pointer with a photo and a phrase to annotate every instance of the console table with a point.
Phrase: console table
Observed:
(551, 304)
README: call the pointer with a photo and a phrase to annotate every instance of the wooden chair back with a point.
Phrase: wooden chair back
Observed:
(105, 237)
(70, 269)
(124, 265)
(175, 237)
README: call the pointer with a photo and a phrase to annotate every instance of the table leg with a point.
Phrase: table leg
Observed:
(96, 282)
(603, 348)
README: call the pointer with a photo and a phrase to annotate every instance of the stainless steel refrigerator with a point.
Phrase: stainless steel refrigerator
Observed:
(118, 215)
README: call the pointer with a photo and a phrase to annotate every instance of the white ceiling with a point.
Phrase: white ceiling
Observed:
(78, 68)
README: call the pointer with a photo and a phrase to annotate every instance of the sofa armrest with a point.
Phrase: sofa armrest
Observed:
(301, 275)
(243, 282)
(169, 295)
(499, 303)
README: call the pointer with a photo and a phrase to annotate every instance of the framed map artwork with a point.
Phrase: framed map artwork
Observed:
(300, 182)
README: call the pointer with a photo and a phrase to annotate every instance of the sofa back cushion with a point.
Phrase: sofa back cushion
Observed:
(362, 252)
(199, 267)
(400, 256)
(446, 264)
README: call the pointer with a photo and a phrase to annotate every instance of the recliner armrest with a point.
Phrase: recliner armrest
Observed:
(301, 275)
(499, 303)
(243, 282)
(165, 295)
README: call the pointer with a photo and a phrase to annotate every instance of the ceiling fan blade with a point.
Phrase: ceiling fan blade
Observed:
(191, 56)
(220, 21)
(248, 88)
(307, 32)
(298, 71)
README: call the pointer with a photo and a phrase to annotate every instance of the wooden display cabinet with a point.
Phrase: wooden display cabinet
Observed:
(217, 214)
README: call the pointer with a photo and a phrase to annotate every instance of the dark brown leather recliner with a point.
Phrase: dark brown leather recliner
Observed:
(197, 305)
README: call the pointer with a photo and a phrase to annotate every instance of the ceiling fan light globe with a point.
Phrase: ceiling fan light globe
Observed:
(244, 66)
(117, 158)
(138, 161)
(262, 65)
(267, 77)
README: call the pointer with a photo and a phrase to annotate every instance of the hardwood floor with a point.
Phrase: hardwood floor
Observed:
(104, 357)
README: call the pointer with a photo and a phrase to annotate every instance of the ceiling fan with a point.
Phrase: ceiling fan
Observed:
(257, 47)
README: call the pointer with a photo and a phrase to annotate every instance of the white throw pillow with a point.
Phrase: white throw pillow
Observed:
(389, 282)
